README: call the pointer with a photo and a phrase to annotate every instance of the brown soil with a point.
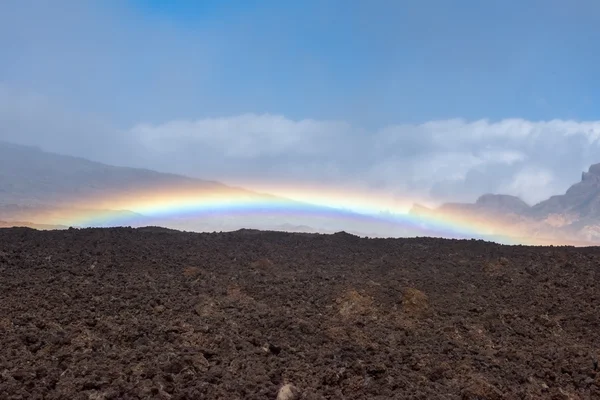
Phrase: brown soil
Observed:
(150, 313)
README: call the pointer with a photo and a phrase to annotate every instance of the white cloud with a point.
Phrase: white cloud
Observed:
(453, 160)
(529, 181)
(445, 160)
(458, 160)
(247, 136)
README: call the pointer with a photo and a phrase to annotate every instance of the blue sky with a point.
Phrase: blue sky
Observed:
(401, 61)
(373, 91)
(371, 62)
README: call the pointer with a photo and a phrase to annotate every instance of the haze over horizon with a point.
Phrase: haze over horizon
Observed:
(380, 97)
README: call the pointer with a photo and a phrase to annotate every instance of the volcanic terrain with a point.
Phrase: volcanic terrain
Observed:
(155, 313)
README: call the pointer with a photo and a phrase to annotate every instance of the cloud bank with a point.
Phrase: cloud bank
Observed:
(450, 160)
(439, 161)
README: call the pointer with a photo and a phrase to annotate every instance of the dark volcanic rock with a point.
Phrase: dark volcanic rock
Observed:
(150, 313)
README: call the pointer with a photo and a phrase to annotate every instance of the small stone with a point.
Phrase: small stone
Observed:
(200, 363)
(288, 392)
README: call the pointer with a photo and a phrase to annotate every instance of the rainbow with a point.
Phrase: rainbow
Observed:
(230, 208)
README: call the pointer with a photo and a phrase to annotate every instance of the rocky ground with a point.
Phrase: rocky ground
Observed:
(151, 313)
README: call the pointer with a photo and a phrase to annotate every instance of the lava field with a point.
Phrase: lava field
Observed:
(151, 313)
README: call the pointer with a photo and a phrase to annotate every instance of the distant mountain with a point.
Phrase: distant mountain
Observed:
(32, 177)
(58, 215)
(21, 224)
(42, 189)
(38, 188)
(582, 200)
(491, 203)
(573, 215)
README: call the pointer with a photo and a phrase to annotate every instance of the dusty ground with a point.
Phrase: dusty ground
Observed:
(150, 313)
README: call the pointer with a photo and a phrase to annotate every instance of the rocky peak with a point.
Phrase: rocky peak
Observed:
(581, 199)
(593, 174)
(502, 202)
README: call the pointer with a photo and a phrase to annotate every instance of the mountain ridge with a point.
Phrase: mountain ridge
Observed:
(44, 188)
(36, 188)
(573, 213)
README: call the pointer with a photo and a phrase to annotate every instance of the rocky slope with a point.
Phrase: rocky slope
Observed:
(32, 177)
(43, 189)
(581, 200)
(155, 314)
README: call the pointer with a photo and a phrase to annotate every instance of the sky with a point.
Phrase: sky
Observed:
(429, 99)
